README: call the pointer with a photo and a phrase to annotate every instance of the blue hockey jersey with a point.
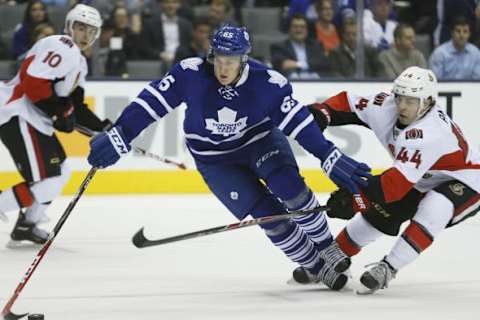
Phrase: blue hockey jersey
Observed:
(222, 121)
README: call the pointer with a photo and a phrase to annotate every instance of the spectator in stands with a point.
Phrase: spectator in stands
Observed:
(35, 13)
(343, 58)
(422, 15)
(325, 31)
(163, 34)
(300, 56)
(200, 43)
(377, 26)
(457, 58)
(221, 13)
(403, 53)
(136, 6)
(303, 7)
(118, 43)
(130, 41)
(447, 11)
(100, 63)
(41, 31)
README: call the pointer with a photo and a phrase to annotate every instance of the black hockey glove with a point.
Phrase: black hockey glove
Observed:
(64, 117)
(385, 217)
(341, 204)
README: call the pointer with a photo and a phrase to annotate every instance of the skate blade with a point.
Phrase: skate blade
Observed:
(292, 282)
(362, 290)
(13, 244)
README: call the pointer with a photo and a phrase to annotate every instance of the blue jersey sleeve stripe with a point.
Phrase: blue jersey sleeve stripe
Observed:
(300, 127)
(290, 116)
(159, 97)
(147, 108)
(217, 152)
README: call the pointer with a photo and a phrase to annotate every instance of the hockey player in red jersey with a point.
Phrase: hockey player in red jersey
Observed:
(46, 94)
(434, 181)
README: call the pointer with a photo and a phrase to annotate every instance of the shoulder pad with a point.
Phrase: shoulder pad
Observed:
(61, 44)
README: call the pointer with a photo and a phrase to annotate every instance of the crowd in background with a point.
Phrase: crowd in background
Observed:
(303, 39)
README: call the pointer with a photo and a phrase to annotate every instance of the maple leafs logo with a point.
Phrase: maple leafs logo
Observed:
(191, 63)
(277, 78)
(227, 123)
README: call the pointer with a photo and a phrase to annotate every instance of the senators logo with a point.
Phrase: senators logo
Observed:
(414, 134)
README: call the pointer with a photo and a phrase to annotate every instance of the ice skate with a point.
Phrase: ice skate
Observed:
(25, 232)
(334, 280)
(44, 219)
(335, 257)
(377, 277)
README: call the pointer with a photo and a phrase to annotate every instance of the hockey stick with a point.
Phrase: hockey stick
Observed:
(140, 241)
(90, 133)
(7, 314)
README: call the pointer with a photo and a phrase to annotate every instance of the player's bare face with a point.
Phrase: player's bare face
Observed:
(227, 68)
(407, 108)
(83, 35)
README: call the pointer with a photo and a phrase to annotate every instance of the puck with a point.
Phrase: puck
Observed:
(36, 316)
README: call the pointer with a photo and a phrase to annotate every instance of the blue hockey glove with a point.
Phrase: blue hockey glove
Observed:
(346, 172)
(107, 147)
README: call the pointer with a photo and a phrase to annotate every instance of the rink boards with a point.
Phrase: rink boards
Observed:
(137, 174)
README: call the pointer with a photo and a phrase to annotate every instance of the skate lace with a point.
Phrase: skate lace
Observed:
(328, 276)
(382, 272)
(333, 254)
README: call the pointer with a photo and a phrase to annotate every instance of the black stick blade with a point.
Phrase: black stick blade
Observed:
(13, 316)
(139, 239)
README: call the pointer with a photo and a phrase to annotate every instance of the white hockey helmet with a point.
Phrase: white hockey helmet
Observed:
(84, 14)
(418, 83)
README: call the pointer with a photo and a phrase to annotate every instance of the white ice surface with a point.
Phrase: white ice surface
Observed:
(92, 271)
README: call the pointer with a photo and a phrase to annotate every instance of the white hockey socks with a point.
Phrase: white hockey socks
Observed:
(433, 214)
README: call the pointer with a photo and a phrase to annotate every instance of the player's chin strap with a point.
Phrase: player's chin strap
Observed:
(90, 133)
(140, 241)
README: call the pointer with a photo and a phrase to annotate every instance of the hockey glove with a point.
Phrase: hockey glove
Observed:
(344, 205)
(106, 148)
(64, 117)
(345, 171)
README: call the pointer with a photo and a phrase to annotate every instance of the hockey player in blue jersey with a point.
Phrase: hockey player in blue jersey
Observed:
(238, 113)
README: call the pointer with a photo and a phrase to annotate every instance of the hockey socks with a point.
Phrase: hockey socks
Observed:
(289, 238)
(315, 225)
(15, 198)
(357, 234)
